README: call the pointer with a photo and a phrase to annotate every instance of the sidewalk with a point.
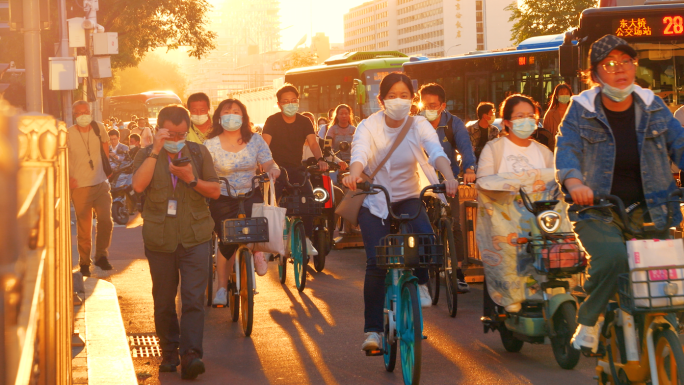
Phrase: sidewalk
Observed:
(105, 358)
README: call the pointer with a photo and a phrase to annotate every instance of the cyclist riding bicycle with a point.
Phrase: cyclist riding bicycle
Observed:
(410, 168)
(285, 133)
(616, 138)
(236, 152)
(454, 138)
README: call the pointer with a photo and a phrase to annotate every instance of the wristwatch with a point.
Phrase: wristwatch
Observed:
(471, 168)
(153, 155)
(193, 183)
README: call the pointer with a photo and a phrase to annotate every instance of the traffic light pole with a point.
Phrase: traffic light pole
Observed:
(34, 77)
(64, 52)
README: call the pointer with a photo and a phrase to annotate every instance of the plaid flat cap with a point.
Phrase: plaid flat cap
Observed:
(603, 46)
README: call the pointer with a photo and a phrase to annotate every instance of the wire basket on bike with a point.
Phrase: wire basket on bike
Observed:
(647, 289)
(558, 256)
(408, 250)
(301, 206)
(244, 230)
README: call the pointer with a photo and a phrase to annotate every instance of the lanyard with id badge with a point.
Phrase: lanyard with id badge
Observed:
(172, 205)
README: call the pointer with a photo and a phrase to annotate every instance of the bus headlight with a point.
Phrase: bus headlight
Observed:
(320, 194)
(549, 221)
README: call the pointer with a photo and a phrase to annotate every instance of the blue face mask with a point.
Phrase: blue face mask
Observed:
(523, 128)
(615, 94)
(290, 109)
(231, 122)
(174, 147)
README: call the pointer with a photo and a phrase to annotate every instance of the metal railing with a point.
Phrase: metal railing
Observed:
(36, 290)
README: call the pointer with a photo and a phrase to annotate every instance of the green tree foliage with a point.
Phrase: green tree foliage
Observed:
(300, 58)
(545, 17)
(144, 25)
(152, 74)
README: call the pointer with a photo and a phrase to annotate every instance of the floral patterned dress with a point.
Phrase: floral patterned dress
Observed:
(238, 167)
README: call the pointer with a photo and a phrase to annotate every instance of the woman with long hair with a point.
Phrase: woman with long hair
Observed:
(236, 152)
(560, 99)
(342, 130)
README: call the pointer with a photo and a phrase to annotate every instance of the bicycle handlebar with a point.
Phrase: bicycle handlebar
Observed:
(262, 178)
(369, 189)
(307, 171)
(604, 201)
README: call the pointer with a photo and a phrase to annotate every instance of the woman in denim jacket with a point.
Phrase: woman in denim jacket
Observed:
(616, 138)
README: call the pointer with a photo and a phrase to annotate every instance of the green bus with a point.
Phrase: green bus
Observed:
(352, 78)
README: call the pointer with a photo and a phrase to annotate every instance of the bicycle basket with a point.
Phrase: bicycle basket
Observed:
(244, 230)
(301, 206)
(408, 251)
(651, 289)
(561, 256)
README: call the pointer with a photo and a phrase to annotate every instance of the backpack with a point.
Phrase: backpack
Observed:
(195, 154)
(106, 167)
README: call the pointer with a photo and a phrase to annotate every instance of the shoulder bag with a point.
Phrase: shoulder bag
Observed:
(350, 205)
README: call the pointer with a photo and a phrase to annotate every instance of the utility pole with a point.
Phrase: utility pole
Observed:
(64, 52)
(90, 24)
(34, 76)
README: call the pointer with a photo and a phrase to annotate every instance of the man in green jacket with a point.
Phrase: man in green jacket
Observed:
(177, 233)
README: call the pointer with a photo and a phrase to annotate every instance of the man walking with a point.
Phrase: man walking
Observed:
(199, 106)
(454, 138)
(177, 176)
(89, 186)
(117, 150)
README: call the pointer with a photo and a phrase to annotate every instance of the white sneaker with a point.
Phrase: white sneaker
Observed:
(221, 297)
(260, 263)
(310, 250)
(425, 299)
(373, 341)
(587, 336)
(463, 287)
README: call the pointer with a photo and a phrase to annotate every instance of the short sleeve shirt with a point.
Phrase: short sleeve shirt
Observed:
(83, 148)
(238, 167)
(288, 138)
(518, 159)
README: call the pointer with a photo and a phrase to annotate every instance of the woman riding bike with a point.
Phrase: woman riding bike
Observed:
(341, 130)
(418, 154)
(236, 152)
(616, 138)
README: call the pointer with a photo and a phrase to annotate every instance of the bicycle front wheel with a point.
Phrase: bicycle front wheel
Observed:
(322, 246)
(282, 268)
(299, 255)
(389, 350)
(233, 297)
(246, 291)
(450, 267)
(669, 358)
(411, 333)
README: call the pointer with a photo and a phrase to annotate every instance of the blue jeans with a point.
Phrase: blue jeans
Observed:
(372, 230)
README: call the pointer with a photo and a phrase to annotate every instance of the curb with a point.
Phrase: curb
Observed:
(108, 354)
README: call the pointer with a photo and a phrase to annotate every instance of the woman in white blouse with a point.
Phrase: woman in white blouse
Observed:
(236, 152)
(407, 171)
(515, 152)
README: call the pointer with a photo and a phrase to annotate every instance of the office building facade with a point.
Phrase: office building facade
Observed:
(428, 27)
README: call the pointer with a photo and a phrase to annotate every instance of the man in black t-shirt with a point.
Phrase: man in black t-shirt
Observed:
(285, 132)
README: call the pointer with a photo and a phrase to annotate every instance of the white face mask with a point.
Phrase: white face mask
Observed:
(431, 115)
(199, 120)
(397, 109)
(84, 120)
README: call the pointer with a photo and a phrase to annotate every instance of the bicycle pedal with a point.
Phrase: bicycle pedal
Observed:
(372, 353)
(424, 337)
(600, 352)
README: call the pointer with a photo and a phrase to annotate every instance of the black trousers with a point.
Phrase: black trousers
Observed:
(190, 267)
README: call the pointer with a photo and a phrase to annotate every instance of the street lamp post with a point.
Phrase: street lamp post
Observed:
(447, 51)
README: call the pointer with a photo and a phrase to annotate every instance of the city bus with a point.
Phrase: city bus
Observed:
(143, 105)
(352, 78)
(530, 68)
(655, 31)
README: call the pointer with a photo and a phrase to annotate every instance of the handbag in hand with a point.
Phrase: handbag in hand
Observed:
(350, 205)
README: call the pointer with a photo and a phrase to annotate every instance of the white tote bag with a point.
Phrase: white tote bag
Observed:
(656, 253)
(276, 221)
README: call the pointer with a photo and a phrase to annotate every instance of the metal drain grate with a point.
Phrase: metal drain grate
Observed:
(144, 345)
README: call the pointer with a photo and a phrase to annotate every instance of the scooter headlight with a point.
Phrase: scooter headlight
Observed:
(549, 221)
(320, 194)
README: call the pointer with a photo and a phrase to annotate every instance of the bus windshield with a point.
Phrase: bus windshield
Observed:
(660, 68)
(155, 105)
